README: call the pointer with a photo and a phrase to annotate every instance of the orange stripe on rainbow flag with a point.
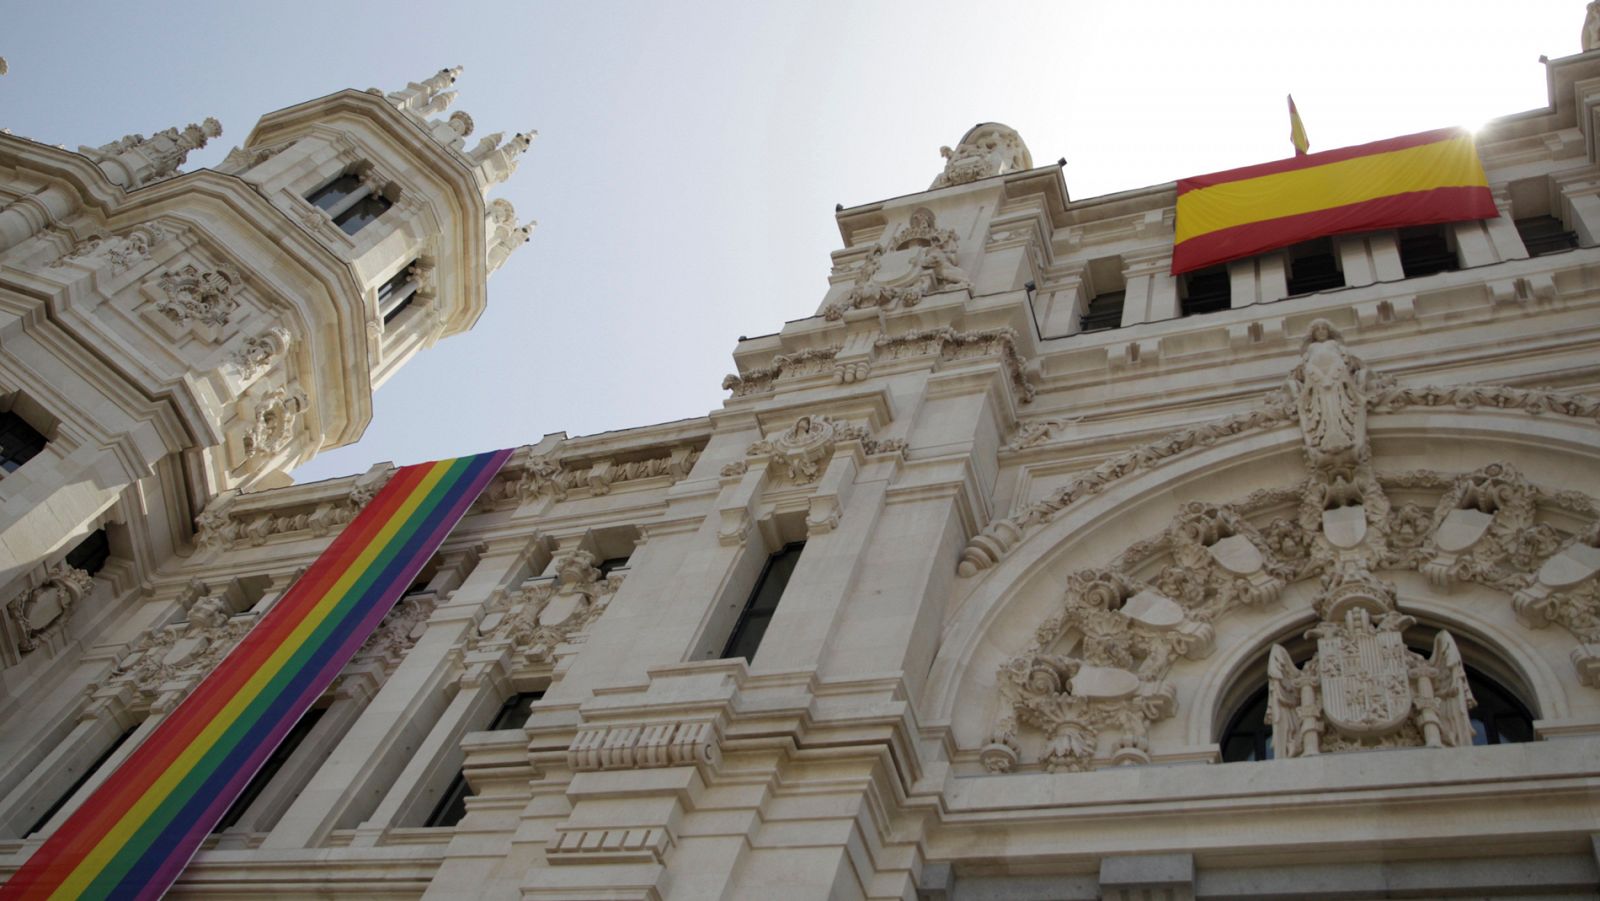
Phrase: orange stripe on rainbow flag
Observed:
(1418, 179)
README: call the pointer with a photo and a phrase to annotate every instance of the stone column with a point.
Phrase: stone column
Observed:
(1152, 292)
(417, 790)
(99, 725)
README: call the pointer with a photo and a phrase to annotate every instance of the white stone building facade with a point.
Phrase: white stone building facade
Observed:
(986, 581)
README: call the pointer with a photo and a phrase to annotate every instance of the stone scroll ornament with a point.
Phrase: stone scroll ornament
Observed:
(137, 831)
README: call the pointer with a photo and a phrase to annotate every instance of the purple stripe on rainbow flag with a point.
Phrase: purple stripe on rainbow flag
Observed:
(134, 834)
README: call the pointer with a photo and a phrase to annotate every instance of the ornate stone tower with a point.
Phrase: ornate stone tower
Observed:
(171, 337)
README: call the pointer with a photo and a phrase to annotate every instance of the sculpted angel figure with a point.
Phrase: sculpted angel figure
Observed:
(1329, 391)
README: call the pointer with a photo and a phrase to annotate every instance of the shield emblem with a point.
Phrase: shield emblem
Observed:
(1366, 689)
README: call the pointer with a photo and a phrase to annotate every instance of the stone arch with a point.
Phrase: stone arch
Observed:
(995, 610)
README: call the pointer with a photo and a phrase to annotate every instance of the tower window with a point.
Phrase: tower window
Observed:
(1313, 267)
(362, 213)
(1425, 250)
(1105, 311)
(757, 613)
(19, 442)
(1545, 234)
(1206, 291)
(452, 805)
(331, 194)
(514, 713)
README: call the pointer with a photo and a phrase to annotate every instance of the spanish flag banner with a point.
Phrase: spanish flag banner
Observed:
(1418, 179)
(135, 833)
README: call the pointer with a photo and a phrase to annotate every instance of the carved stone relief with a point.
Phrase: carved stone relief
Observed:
(551, 477)
(193, 294)
(1337, 481)
(46, 608)
(121, 252)
(920, 260)
(258, 352)
(800, 453)
(273, 428)
(220, 526)
(989, 149)
(543, 614)
(165, 662)
(1363, 688)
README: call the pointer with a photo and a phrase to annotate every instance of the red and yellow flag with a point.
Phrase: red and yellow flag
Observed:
(1297, 130)
(1418, 179)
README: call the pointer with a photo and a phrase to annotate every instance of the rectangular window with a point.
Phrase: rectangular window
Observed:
(19, 442)
(757, 613)
(362, 213)
(1425, 250)
(78, 783)
(1205, 291)
(270, 768)
(452, 806)
(514, 713)
(1313, 267)
(91, 553)
(1105, 311)
(1545, 234)
(328, 196)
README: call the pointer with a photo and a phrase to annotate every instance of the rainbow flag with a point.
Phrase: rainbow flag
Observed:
(1418, 179)
(137, 831)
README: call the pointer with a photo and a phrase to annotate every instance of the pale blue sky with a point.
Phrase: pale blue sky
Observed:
(690, 156)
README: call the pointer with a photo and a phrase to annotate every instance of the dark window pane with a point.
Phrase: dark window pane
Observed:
(752, 625)
(1426, 250)
(389, 288)
(329, 195)
(270, 768)
(1313, 267)
(1105, 311)
(91, 553)
(452, 805)
(610, 563)
(1206, 291)
(78, 783)
(1545, 234)
(19, 442)
(515, 711)
(362, 213)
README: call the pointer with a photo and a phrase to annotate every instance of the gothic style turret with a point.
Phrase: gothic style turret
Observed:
(175, 347)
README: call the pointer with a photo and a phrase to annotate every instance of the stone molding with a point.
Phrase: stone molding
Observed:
(223, 525)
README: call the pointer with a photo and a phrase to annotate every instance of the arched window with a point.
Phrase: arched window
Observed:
(1500, 717)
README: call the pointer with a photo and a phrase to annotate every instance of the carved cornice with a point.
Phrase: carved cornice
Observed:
(556, 476)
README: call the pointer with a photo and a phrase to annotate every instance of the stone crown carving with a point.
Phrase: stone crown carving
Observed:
(799, 453)
(46, 608)
(193, 294)
(920, 260)
(988, 149)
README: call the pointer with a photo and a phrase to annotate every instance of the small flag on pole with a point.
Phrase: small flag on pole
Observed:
(1297, 130)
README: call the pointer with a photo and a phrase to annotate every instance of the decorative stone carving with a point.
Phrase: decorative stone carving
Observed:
(1034, 432)
(1485, 519)
(1095, 667)
(988, 149)
(1363, 688)
(952, 345)
(221, 527)
(240, 159)
(644, 746)
(1329, 392)
(205, 296)
(134, 160)
(256, 355)
(801, 452)
(122, 252)
(46, 608)
(1591, 27)
(399, 630)
(545, 613)
(921, 261)
(169, 660)
(997, 539)
(811, 361)
(504, 234)
(276, 416)
(1565, 590)
(548, 477)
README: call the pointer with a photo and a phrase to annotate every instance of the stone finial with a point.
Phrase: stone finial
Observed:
(503, 233)
(497, 163)
(1590, 39)
(3, 67)
(417, 95)
(988, 149)
(134, 160)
